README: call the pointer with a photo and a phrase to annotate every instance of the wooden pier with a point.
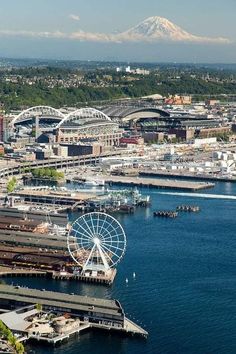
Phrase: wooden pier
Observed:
(188, 176)
(100, 280)
(152, 182)
(92, 312)
(11, 272)
(107, 280)
(59, 217)
(52, 197)
(30, 254)
(62, 337)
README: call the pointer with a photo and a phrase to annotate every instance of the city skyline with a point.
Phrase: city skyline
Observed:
(105, 31)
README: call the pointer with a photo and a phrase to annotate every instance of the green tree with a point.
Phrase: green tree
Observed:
(39, 307)
(7, 334)
(19, 348)
(49, 173)
(11, 185)
(11, 339)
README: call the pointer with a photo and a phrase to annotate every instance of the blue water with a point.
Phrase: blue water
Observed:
(185, 287)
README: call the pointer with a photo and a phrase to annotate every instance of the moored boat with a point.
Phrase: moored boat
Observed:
(166, 213)
(189, 208)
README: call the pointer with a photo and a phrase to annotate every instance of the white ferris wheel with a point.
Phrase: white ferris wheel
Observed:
(96, 241)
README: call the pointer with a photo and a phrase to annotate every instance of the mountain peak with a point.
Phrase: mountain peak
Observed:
(157, 27)
(160, 28)
(156, 19)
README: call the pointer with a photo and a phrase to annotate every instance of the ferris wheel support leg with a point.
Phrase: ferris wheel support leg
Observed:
(90, 255)
(105, 263)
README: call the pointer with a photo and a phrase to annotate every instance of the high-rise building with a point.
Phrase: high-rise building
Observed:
(1, 128)
(7, 129)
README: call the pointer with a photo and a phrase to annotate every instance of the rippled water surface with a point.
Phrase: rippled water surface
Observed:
(184, 292)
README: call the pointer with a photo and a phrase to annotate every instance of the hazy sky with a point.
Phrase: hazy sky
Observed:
(25, 24)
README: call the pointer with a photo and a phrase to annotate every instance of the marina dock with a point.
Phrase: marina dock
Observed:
(82, 200)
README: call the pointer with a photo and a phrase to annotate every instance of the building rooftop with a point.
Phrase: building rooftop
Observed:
(61, 300)
(17, 320)
(121, 112)
(21, 224)
(26, 239)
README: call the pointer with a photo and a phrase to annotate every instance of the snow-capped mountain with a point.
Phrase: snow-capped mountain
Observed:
(159, 28)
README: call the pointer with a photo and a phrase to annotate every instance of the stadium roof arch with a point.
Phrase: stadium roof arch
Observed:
(85, 117)
(127, 114)
(45, 112)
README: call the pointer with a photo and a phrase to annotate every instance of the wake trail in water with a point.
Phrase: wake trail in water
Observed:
(201, 195)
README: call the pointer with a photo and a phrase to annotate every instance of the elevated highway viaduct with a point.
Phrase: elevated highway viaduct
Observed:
(58, 163)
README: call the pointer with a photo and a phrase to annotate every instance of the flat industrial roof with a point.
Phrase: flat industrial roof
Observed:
(32, 240)
(62, 300)
(17, 321)
(5, 219)
(32, 256)
(36, 235)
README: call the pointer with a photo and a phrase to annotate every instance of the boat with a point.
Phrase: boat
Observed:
(57, 230)
(129, 209)
(94, 183)
(189, 208)
(166, 213)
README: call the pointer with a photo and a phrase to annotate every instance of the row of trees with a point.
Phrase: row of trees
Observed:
(8, 335)
(14, 95)
(47, 173)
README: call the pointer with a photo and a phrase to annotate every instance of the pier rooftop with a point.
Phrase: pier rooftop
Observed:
(27, 253)
(74, 303)
(99, 313)
(50, 196)
(45, 240)
(33, 211)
